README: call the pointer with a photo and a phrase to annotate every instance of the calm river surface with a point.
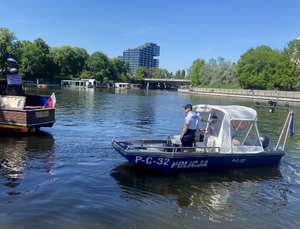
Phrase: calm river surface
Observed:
(69, 176)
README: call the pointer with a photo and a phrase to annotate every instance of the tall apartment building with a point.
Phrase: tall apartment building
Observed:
(142, 56)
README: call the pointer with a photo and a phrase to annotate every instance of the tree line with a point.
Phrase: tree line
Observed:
(37, 60)
(258, 68)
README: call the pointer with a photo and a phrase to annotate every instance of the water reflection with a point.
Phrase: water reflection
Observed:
(213, 194)
(17, 152)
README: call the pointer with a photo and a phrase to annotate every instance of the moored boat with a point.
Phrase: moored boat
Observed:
(122, 85)
(42, 86)
(23, 114)
(238, 142)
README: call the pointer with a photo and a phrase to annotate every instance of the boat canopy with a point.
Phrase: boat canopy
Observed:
(237, 128)
(233, 112)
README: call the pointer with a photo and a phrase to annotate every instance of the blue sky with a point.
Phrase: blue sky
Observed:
(185, 30)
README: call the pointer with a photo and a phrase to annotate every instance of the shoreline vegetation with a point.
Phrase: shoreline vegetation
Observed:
(284, 96)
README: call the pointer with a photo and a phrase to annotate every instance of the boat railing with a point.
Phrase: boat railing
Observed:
(204, 149)
(174, 149)
(287, 128)
(160, 146)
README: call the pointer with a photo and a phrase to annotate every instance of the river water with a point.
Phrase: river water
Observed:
(69, 176)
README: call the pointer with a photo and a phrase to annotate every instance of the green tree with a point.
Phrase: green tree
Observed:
(292, 52)
(140, 73)
(85, 74)
(229, 74)
(98, 64)
(37, 56)
(7, 46)
(80, 56)
(160, 73)
(256, 68)
(150, 72)
(178, 75)
(69, 61)
(225, 72)
(209, 73)
(285, 77)
(194, 72)
(119, 70)
(182, 74)
(218, 72)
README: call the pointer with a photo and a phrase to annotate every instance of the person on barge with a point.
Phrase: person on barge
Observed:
(14, 79)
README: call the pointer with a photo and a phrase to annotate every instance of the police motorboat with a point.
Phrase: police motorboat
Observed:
(237, 144)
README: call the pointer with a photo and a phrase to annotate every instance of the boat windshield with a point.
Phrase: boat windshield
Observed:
(245, 134)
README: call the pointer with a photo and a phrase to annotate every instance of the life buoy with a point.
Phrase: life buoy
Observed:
(240, 125)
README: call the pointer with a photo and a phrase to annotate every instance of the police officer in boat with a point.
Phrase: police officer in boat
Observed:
(187, 136)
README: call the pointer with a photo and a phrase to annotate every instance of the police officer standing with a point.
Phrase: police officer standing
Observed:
(187, 136)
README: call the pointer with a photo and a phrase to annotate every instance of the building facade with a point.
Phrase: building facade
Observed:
(142, 56)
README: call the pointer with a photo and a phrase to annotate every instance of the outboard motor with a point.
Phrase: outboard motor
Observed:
(264, 140)
(273, 103)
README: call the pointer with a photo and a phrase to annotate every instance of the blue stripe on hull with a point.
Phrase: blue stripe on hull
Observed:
(206, 161)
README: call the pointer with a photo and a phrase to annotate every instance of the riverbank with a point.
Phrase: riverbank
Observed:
(284, 96)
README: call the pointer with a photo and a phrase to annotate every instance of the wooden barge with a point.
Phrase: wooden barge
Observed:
(23, 114)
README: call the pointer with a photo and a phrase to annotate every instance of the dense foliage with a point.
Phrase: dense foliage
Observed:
(264, 68)
(258, 68)
(56, 63)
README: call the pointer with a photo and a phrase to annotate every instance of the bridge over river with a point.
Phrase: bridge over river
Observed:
(162, 83)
